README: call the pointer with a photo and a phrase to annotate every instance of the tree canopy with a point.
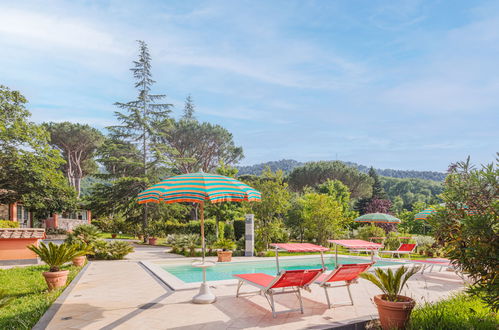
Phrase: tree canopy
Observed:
(29, 167)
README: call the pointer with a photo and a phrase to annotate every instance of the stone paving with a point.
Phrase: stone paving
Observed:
(125, 295)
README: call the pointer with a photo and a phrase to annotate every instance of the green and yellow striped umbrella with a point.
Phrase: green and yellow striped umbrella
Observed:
(377, 217)
(423, 215)
(199, 188)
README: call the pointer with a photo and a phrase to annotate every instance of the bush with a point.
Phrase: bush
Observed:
(468, 226)
(368, 231)
(191, 227)
(239, 228)
(56, 231)
(460, 312)
(225, 244)
(229, 231)
(9, 224)
(114, 250)
(84, 234)
(424, 243)
(55, 255)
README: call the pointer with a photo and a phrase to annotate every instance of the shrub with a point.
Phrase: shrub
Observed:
(84, 234)
(368, 231)
(460, 312)
(239, 228)
(191, 227)
(225, 244)
(9, 224)
(229, 230)
(468, 226)
(55, 255)
(221, 230)
(241, 244)
(424, 243)
(56, 231)
(114, 250)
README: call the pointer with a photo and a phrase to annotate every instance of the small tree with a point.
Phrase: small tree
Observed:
(468, 225)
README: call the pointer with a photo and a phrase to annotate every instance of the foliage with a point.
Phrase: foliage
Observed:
(189, 109)
(239, 228)
(138, 130)
(323, 217)
(112, 250)
(460, 312)
(411, 191)
(378, 191)
(77, 144)
(184, 242)
(28, 291)
(55, 255)
(195, 146)
(468, 226)
(83, 234)
(272, 208)
(392, 241)
(191, 227)
(390, 283)
(29, 167)
(314, 173)
(225, 244)
(287, 165)
(411, 225)
(9, 224)
(221, 230)
(367, 231)
(424, 243)
(272, 232)
(4, 299)
(56, 231)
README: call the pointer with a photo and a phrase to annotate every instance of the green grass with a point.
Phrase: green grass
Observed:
(30, 298)
(122, 236)
(459, 312)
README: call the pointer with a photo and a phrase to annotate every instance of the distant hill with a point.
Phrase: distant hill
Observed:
(287, 165)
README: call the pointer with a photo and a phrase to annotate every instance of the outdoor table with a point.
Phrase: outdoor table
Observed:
(356, 244)
(298, 247)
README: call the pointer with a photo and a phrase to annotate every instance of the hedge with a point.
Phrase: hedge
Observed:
(239, 228)
(9, 224)
(192, 227)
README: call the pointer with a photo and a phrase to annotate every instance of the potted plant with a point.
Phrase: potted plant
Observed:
(226, 246)
(81, 255)
(55, 256)
(394, 309)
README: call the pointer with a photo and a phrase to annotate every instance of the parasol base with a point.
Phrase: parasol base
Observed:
(204, 296)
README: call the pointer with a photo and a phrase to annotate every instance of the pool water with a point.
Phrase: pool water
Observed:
(224, 271)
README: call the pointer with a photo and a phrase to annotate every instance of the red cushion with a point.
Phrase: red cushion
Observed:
(257, 278)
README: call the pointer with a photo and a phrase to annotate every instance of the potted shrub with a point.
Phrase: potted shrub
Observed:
(55, 256)
(81, 255)
(394, 309)
(226, 246)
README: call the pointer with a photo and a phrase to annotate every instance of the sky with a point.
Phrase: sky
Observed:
(392, 84)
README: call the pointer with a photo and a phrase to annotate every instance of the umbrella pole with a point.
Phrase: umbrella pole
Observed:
(277, 259)
(336, 258)
(322, 259)
(203, 247)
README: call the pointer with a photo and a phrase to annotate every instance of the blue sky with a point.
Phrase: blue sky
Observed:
(393, 84)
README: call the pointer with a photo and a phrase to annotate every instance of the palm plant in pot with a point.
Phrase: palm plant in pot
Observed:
(55, 256)
(226, 246)
(393, 308)
(81, 256)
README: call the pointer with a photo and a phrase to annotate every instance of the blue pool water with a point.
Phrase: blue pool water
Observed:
(224, 271)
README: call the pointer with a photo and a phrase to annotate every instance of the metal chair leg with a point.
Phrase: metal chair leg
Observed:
(327, 297)
(239, 284)
(272, 304)
(301, 302)
(350, 294)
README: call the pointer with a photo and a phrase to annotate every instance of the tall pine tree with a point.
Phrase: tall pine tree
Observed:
(378, 191)
(189, 109)
(139, 120)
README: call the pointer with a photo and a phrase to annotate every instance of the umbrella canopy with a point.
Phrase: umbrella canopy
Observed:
(377, 217)
(423, 215)
(199, 188)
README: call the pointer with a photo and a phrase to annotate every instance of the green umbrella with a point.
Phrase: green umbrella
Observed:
(423, 215)
(377, 217)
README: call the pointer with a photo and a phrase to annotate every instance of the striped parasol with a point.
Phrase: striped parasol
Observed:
(423, 215)
(199, 188)
(377, 217)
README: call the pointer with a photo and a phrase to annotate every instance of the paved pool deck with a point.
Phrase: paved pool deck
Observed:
(126, 295)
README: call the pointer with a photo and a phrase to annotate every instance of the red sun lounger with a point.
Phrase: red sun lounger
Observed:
(403, 249)
(347, 273)
(288, 281)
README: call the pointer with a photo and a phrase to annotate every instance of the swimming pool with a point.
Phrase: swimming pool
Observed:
(224, 271)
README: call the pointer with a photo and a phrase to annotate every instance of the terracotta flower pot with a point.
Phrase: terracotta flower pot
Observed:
(394, 315)
(224, 256)
(113, 235)
(79, 261)
(152, 240)
(141, 237)
(56, 280)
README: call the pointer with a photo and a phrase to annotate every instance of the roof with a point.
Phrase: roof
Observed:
(356, 243)
(299, 247)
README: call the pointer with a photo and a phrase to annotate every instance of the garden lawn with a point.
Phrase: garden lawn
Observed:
(121, 236)
(459, 312)
(27, 287)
